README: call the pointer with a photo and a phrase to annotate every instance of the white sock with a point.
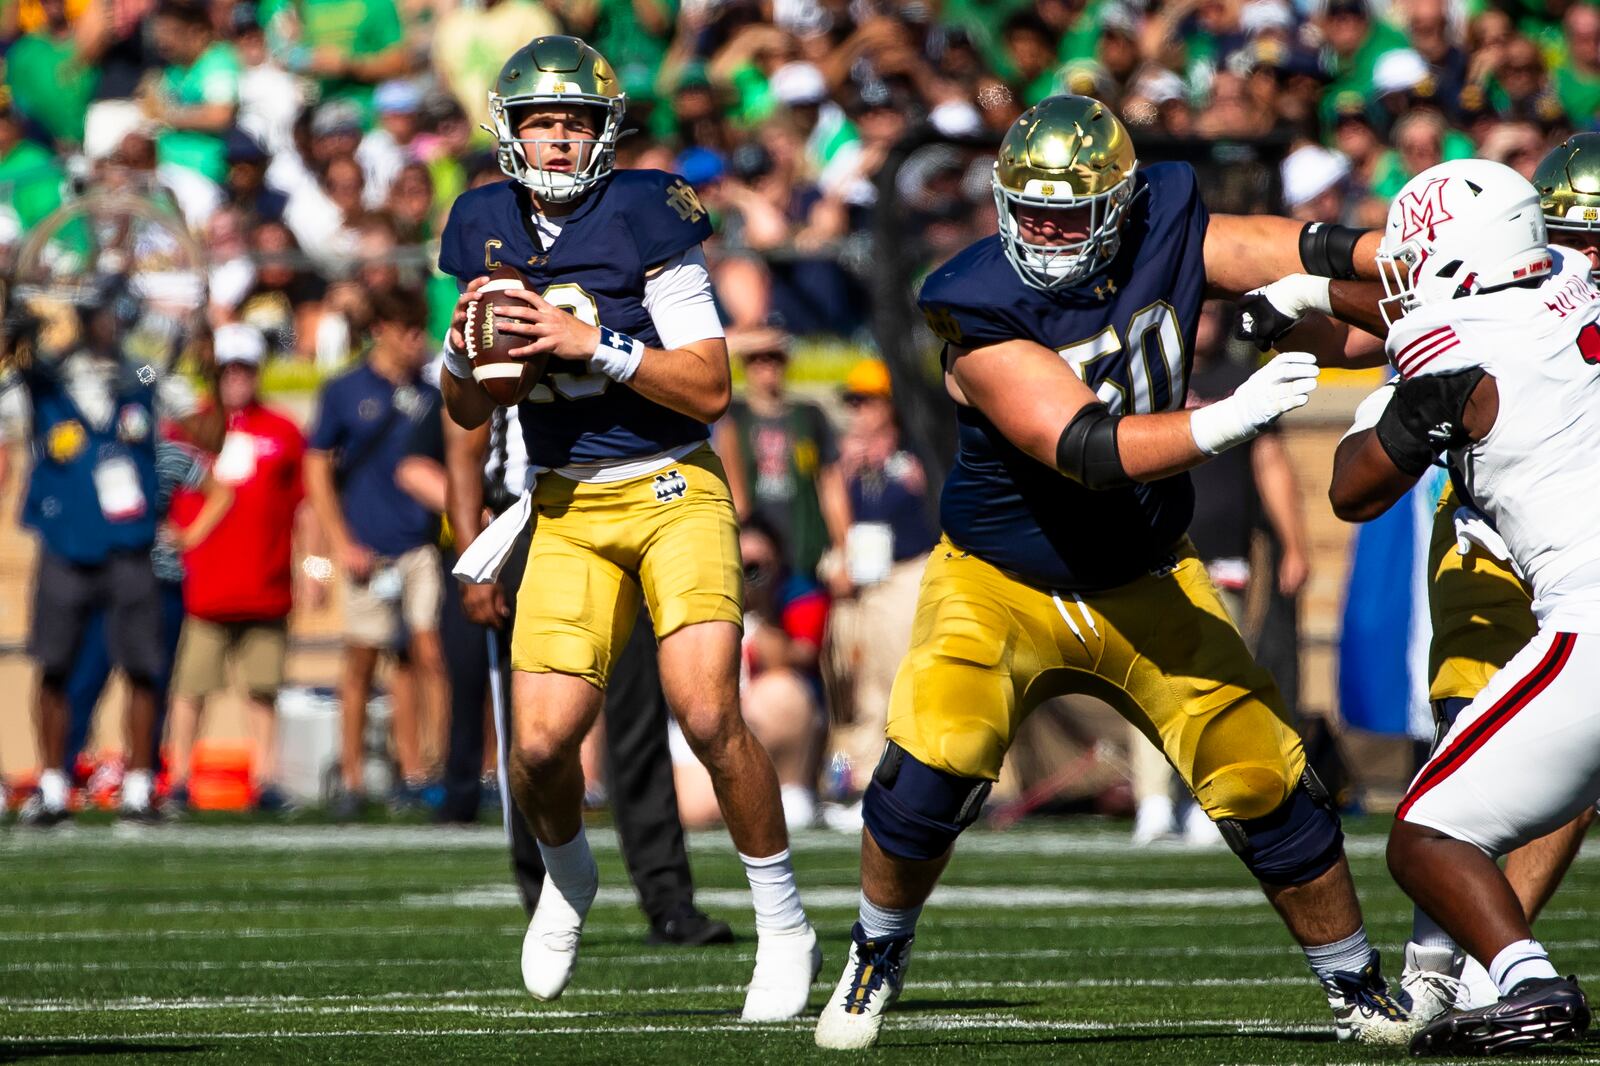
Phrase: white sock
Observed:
(887, 923)
(136, 789)
(1427, 933)
(1518, 961)
(53, 790)
(569, 868)
(1342, 956)
(774, 893)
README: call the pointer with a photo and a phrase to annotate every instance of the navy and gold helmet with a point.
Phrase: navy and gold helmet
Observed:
(556, 71)
(1066, 152)
(1568, 180)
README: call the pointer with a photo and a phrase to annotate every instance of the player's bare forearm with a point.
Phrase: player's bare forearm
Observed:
(1030, 394)
(464, 453)
(1356, 302)
(1366, 483)
(469, 405)
(1244, 252)
(693, 380)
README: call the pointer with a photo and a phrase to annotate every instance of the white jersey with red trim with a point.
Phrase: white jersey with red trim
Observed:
(1537, 473)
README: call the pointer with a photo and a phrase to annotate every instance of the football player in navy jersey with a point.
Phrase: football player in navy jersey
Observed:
(629, 501)
(1064, 565)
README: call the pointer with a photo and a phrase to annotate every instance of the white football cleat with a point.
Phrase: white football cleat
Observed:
(1429, 978)
(786, 964)
(873, 976)
(1365, 1011)
(550, 947)
(1152, 820)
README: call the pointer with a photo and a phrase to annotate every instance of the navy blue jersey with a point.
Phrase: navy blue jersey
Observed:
(634, 220)
(1128, 332)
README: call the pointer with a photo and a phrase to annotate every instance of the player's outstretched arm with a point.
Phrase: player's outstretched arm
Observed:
(1042, 407)
(1346, 328)
(1398, 433)
(1245, 252)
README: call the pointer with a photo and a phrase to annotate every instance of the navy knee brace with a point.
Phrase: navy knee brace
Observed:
(1298, 842)
(916, 812)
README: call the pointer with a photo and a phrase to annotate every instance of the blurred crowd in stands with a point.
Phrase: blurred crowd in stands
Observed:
(314, 148)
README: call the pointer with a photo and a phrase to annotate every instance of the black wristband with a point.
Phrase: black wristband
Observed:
(1329, 251)
(1087, 451)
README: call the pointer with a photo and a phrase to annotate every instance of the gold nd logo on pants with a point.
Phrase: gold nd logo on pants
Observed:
(987, 648)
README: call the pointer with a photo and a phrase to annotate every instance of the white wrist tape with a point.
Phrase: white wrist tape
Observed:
(1220, 426)
(617, 356)
(456, 362)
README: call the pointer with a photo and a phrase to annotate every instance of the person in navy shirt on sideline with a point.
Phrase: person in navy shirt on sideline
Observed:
(384, 542)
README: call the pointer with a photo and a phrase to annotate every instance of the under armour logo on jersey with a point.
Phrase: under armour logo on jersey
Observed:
(1424, 210)
(670, 486)
(1108, 289)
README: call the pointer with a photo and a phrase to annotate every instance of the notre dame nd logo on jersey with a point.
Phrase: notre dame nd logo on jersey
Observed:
(682, 199)
(670, 486)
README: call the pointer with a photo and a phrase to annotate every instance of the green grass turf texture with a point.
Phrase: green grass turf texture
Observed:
(1055, 942)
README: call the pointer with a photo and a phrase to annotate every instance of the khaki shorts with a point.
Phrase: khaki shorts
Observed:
(402, 596)
(257, 649)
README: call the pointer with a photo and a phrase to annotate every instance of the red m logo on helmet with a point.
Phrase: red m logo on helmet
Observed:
(1422, 211)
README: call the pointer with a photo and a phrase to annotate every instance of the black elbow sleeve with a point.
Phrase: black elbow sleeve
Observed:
(1087, 450)
(1329, 251)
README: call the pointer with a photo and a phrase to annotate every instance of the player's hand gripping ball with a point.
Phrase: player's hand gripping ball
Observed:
(507, 380)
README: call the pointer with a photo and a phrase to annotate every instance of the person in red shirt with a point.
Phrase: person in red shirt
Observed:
(238, 588)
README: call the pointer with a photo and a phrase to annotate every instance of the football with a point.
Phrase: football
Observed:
(507, 381)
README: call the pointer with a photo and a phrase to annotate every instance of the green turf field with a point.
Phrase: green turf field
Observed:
(398, 944)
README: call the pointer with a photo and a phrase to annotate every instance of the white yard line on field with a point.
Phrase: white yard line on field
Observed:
(928, 1022)
(1107, 843)
(461, 1000)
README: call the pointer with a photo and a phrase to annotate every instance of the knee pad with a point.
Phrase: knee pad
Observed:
(1298, 842)
(916, 812)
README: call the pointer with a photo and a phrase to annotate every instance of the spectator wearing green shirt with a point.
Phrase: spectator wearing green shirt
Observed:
(349, 46)
(1032, 51)
(30, 180)
(1355, 42)
(197, 97)
(633, 35)
(52, 75)
(1577, 80)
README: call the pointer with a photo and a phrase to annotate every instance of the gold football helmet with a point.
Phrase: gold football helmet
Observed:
(1065, 152)
(1568, 180)
(556, 71)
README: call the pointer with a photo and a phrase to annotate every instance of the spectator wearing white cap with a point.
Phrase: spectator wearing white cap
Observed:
(387, 146)
(238, 585)
(1313, 183)
(831, 140)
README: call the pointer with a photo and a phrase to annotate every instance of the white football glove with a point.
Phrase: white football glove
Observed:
(1267, 313)
(1277, 388)
(1474, 530)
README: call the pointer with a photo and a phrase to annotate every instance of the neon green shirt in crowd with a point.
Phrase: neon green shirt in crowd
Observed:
(355, 28)
(1392, 175)
(30, 185)
(1579, 94)
(51, 84)
(1355, 74)
(633, 52)
(211, 79)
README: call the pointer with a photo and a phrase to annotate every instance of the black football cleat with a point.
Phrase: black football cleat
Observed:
(688, 926)
(1539, 1011)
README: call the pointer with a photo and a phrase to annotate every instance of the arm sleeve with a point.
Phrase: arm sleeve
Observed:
(680, 301)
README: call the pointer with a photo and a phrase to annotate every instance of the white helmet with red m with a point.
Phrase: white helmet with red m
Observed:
(1458, 228)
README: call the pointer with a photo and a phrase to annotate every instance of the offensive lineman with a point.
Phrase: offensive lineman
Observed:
(1496, 336)
(1064, 565)
(629, 499)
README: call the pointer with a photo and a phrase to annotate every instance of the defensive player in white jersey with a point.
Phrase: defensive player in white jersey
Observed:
(1496, 336)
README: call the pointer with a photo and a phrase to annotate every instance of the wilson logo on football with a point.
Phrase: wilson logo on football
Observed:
(670, 486)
